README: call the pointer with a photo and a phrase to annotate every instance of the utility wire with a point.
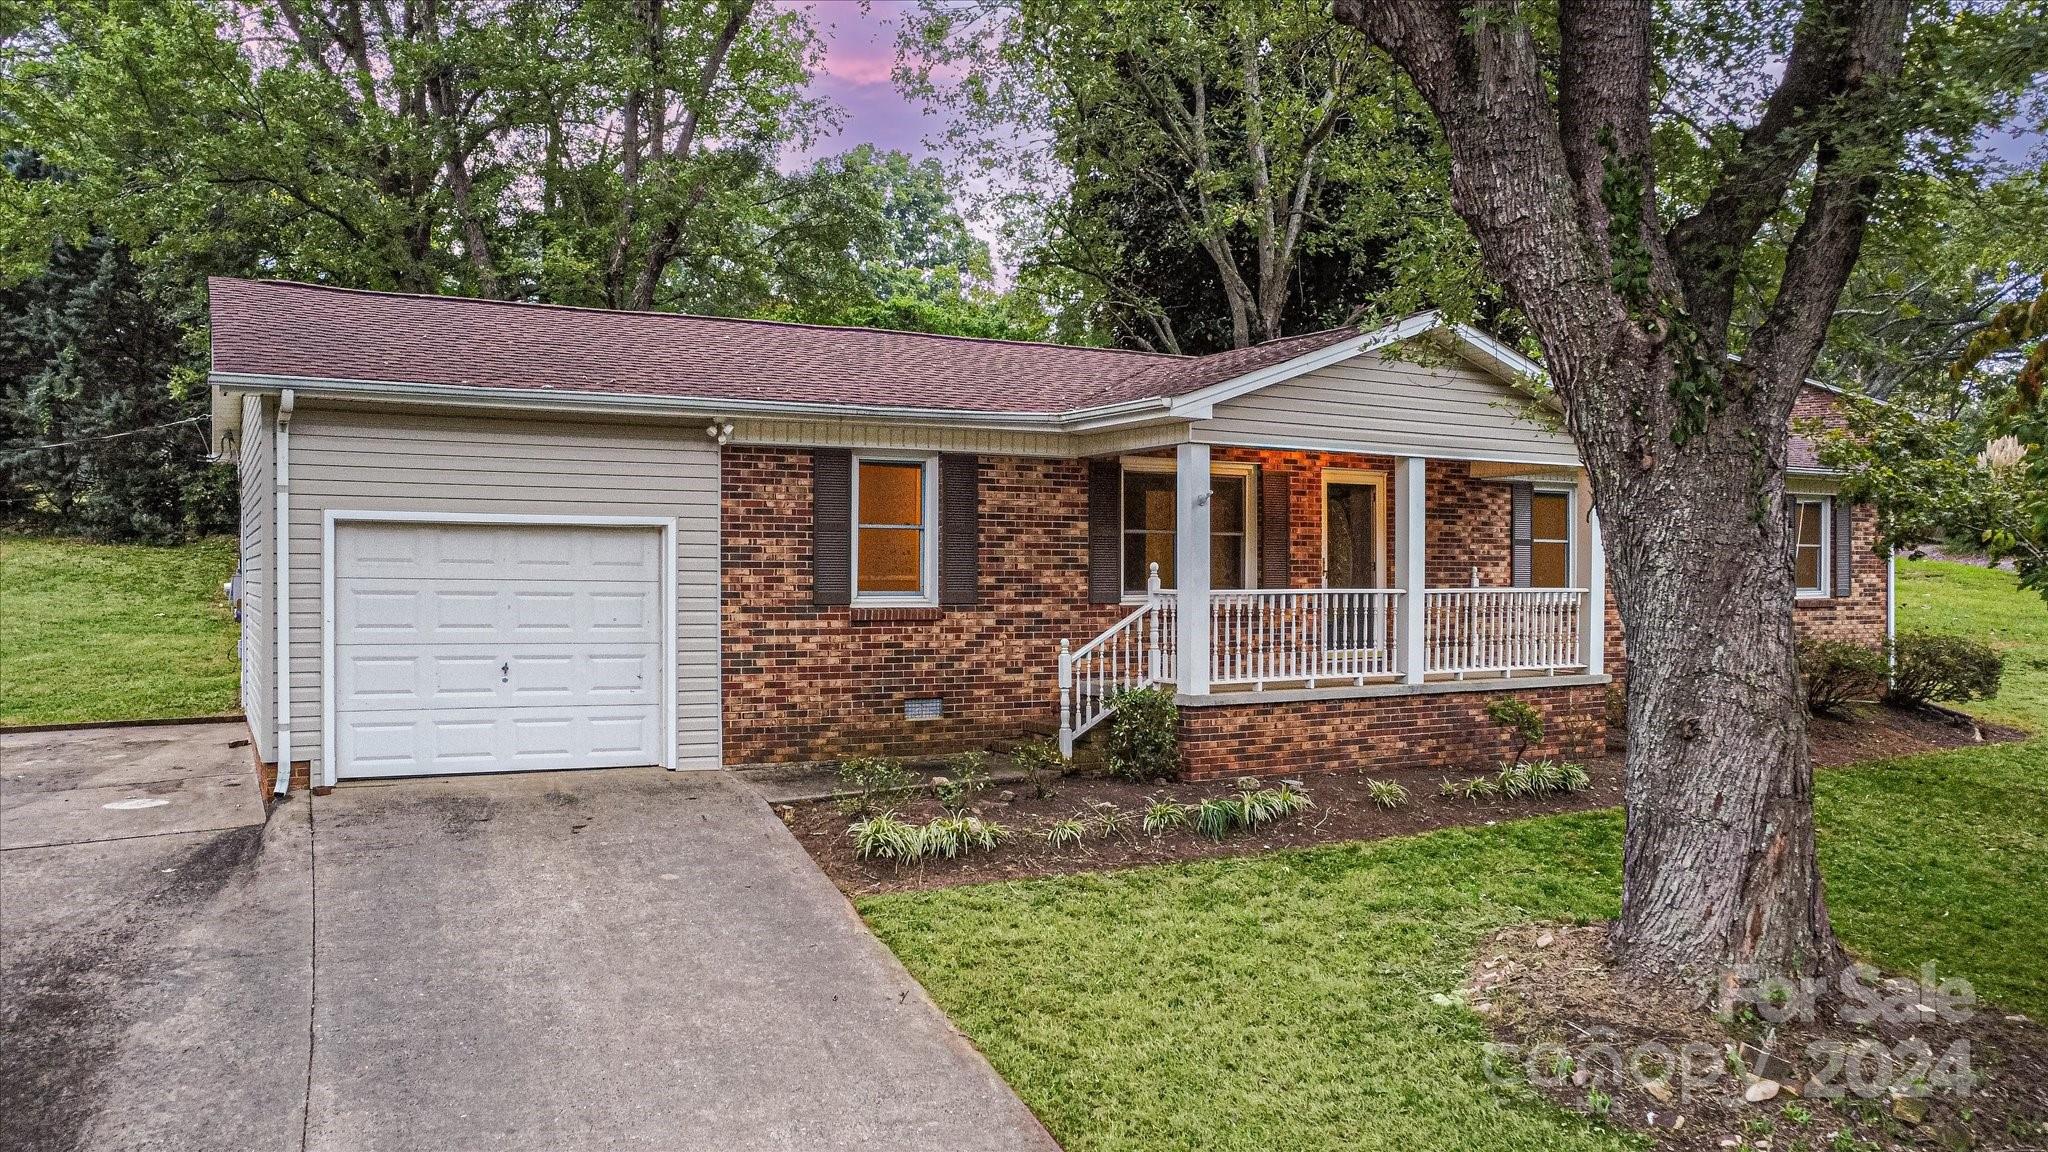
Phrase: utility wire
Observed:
(109, 436)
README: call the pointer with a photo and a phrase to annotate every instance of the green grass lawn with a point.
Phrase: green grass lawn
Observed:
(114, 631)
(1283, 1001)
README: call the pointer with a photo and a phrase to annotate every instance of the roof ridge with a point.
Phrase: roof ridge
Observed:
(1159, 358)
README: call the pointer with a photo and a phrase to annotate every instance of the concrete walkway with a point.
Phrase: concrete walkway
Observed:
(617, 959)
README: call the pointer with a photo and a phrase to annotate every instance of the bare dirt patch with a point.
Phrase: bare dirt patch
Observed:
(1344, 810)
(1875, 1064)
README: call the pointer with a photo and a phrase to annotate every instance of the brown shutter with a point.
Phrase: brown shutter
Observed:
(1521, 530)
(959, 529)
(1105, 532)
(1274, 529)
(831, 526)
(1840, 516)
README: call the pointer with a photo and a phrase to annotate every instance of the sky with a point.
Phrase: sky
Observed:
(860, 51)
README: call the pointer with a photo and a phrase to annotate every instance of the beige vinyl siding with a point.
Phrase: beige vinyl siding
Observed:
(258, 649)
(1372, 403)
(360, 461)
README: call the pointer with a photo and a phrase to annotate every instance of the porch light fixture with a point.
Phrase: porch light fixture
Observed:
(719, 431)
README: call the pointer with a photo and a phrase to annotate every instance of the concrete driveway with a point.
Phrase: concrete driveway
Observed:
(617, 959)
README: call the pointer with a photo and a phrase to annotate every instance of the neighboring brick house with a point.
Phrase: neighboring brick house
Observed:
(483, 537)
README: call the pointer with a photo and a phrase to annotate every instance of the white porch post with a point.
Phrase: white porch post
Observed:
(1410, 562)
(1592, 565)
(1191, 565)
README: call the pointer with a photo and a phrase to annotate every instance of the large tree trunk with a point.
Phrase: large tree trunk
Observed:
(1552, 170)
(1719, 874)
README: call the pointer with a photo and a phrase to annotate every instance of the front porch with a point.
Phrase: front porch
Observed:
(1354, 617)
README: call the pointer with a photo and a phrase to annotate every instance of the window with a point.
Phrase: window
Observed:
(892, 553)
(1810, 547)
(1550, 540)
(1149, 516)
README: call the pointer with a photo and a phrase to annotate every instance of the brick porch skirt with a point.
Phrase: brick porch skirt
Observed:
(1442, 726)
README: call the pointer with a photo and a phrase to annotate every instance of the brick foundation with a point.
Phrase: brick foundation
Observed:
(1446, 730)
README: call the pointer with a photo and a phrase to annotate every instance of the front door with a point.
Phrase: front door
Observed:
(1351, 560)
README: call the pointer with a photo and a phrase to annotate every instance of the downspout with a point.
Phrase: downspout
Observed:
(281, 536)
(1891, 614)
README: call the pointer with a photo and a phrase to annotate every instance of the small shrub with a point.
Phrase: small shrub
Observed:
(983, 835)
(1837, 673)
(1470, 788)
(943, 838)
(884, 837)
(1113, 822)
(1931, 666)
(1041, 764)
(873, 782)
(1066, 833)
(1291, 800)
(1386, 793)
(1216, 816)
(1166, 816)
(1523, 723)
(969, 777)
(1144, 735)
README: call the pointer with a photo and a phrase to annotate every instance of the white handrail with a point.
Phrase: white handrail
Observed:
(1137, 651)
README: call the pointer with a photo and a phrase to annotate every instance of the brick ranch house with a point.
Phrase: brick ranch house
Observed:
(481, 536)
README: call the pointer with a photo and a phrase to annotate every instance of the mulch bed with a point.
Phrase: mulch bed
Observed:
(1900, 1066)
(1343, 811)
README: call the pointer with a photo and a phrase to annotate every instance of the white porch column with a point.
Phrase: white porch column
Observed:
(1592, 565)
(1191, 565)
(1410, 562)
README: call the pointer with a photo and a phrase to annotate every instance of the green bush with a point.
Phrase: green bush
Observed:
(1524, 725)
(1837, 673)
(871, 781)
(1144, 735)
(969, 777)
(1933, 666)
(1386, 793)
(1041, 763)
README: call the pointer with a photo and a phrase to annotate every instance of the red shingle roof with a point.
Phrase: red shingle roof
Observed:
(277, 328)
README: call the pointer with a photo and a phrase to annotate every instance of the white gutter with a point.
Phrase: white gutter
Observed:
(1891, 613)
(280, 542)
(634, 403)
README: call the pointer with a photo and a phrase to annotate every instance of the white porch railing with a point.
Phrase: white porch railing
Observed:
(1502, 629)
(1309, 635)
(1323, 636)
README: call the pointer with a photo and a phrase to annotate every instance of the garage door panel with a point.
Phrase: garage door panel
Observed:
(375, 611)
(490, 740)
(384, 679)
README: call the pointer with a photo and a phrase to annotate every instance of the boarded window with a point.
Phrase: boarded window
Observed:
(890, 528)
(1148, 528)
(1150, 516)
(1550, 540)
(1809, 546)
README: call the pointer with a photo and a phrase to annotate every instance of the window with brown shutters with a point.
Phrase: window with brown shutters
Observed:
(1519, 516)
(1105, 549)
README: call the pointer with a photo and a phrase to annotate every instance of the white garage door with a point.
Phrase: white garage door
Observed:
(495, 648)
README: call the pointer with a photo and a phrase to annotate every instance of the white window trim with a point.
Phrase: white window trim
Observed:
(1571, 529)
(1825, 570)
(1165, 465)
(927, 595)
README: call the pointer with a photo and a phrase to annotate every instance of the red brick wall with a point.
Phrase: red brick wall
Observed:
(810, 683)
(1444, 730)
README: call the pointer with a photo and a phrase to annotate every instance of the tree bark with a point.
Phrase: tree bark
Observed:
(1685, 449)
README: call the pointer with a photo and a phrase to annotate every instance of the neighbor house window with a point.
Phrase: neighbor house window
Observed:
(892, 546)
(1550, 540)
(1150, 516)
(1810, 546)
